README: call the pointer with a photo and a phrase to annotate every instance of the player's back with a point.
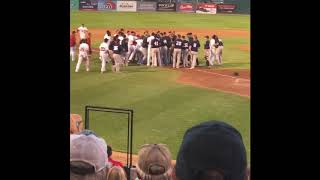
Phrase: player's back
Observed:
(139, 42)
(185, 44)
(83, 49)
(150, 39)
(178, 43)
(103, 47)
(212, 42)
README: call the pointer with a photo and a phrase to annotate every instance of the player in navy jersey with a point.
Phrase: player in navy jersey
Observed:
(155, 44)
(219, 51)
(177, 44)
(184, 51)
(164, 48)
(144, 48)
(194, 47)
(207, 50)
(116, 49)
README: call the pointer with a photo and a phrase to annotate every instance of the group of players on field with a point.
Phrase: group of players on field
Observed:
(153, 49)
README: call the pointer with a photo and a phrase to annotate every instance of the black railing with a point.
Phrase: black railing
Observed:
(129, 112)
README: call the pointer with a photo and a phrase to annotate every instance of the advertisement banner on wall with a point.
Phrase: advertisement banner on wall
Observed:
(74, 4)
(127, 6)
(167, 7)
(206, 8)
(146, 6)
(88, 5)
(185, 7)
(107, 5)
(226, 8)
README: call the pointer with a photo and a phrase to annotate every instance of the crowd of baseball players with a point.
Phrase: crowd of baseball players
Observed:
(150, 48)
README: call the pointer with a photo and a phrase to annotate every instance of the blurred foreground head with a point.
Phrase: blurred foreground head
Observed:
(154, 162)
(212, 150)
(87, 158)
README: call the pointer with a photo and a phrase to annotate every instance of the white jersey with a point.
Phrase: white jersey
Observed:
(106, 36)
(83, 49)
(139, 42)
(131, 38)
(212, 43)
(120, 38)
(103, 48)
(149, 39)
(83, 31)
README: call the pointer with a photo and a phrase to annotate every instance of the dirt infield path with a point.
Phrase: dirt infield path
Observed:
(222, 80)
(122, 157)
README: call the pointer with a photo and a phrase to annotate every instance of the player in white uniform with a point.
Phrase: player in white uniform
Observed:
(107, 35)
(131, 47)
(73, 46)
(212, 50)
(83, 32)
(104, 48)
(150, 38)
(83, 55)
(139, 49)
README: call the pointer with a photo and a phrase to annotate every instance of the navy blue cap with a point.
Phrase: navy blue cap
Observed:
(212, 145)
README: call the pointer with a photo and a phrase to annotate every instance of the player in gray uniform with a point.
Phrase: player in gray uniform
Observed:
(177, 52)
(194, 47)
(185, 51)
(155, 44)
(116, 49)
(144, 49)
(219, 49)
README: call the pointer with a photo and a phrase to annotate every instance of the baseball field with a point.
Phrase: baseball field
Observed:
(165, 102)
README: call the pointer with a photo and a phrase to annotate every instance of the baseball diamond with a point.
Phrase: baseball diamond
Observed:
(174, 69)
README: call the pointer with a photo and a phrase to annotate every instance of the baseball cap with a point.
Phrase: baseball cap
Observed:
(211, 145)
(154, 160)
(88, 149)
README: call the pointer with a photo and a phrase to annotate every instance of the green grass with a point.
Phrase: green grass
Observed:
(100, 19)
(163, 109)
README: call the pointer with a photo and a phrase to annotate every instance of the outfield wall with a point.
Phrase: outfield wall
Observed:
(187, 6)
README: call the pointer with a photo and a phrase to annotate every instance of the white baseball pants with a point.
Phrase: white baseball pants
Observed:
(80, 59)
(149, 55)
(73, 53)
(176, 58)
(212, 56)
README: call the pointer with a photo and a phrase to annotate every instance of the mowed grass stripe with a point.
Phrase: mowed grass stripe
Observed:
(158, 20)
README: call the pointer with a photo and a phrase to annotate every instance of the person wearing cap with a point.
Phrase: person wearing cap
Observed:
(107, 35)
(139, 49)
(149, 54)
(213, 44)
(219, 48)
(207, 50)
(144, 48)
(116, 173)
(212, 150)
(73, 46)
(154, 162)
(87, 159)
(112, 162)
(194, 46)
(82, 32)
(155, 44)
(184, 51)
